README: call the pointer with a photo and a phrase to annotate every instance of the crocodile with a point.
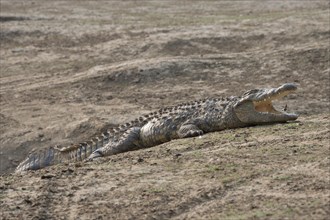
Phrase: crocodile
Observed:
(190, 119)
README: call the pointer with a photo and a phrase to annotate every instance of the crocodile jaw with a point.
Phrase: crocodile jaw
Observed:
(256, 105)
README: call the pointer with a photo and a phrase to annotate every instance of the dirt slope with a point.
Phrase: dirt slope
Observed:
(276, 172)
(70, 69)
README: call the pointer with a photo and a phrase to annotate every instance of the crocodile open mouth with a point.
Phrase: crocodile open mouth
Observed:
(265, 105)
(256, 106)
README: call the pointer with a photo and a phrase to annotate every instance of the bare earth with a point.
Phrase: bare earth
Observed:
(71, 69)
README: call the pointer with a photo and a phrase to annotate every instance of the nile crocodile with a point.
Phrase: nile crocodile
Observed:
(191, 119)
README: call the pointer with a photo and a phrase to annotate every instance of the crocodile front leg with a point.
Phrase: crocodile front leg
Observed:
(189, 130)
(128, 142)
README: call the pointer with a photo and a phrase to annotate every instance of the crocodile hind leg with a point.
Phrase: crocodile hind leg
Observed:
(128, 142)
(189, 130)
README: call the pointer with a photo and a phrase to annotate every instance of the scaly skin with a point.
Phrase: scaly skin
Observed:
(192, 119)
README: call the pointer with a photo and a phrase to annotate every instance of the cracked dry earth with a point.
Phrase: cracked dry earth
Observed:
(71, 69)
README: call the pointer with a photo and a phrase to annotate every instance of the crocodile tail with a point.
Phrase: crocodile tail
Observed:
(56, 155)
(38, 160)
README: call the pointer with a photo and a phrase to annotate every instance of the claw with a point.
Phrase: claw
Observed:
(94, 155)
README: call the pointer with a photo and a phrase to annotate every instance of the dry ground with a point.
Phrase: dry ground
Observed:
(70, 69)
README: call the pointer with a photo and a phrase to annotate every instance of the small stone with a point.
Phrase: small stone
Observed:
(41, 135)
(178, 155)
(28, 201)
(48, 176)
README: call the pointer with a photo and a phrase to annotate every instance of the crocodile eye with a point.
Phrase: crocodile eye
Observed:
(244, 101)
(253, 91)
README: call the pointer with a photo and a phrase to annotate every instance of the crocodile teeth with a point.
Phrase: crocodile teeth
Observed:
(285, 108)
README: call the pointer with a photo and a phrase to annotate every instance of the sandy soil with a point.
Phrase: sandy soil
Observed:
(70, 69)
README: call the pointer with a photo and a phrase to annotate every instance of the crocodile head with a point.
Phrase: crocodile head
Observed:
(255, 106)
